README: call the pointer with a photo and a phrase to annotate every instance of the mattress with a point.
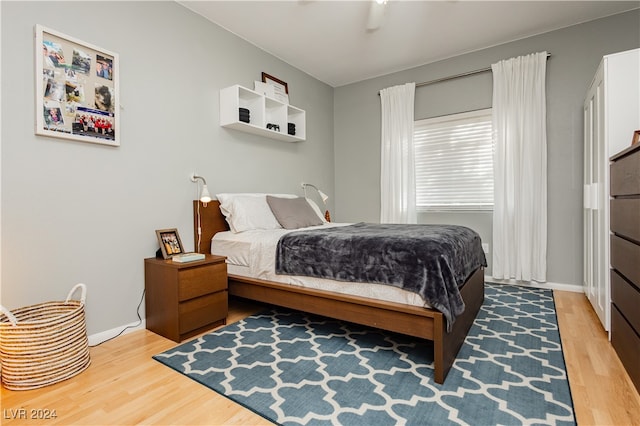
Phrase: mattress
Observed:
(252, 254)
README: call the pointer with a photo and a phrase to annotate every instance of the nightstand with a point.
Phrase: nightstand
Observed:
(185, 299)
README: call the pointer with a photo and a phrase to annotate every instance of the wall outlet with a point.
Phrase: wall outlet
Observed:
(485, 247)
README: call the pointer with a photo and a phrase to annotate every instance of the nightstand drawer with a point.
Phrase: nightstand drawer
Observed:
(195, 282)
(202, 311)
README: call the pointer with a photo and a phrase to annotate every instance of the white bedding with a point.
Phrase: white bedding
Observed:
(252, 254)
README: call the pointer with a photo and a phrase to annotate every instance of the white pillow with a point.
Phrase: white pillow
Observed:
(247, 211)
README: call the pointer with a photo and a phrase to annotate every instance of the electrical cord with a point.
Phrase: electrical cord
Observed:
(199, 228)
(127, 327)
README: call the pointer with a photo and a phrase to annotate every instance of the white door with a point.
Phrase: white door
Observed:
(596, 232)
(611, 114)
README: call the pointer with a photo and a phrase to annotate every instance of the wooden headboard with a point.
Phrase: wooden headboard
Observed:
(211, 221)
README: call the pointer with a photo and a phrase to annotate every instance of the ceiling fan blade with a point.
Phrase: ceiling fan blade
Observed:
(376, 14)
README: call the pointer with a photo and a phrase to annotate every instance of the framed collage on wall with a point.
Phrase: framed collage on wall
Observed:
(77, 89)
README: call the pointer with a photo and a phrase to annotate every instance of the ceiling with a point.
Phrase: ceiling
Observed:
(330, 41)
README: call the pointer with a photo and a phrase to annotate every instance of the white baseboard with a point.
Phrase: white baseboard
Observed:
(547, 285)
(97, 338)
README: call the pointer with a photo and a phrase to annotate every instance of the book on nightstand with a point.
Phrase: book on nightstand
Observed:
(187, 257)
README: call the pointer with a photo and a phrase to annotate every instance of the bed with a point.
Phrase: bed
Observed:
(417, 321)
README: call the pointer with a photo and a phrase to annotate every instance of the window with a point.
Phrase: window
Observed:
(454, 162)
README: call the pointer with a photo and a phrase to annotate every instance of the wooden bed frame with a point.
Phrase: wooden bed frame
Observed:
(410, 320)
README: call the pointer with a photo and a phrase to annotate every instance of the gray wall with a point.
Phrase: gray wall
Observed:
(79, 212)
(576, 52)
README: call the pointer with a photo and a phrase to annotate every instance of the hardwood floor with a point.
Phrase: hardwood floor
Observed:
(124, 386)
(603, 393)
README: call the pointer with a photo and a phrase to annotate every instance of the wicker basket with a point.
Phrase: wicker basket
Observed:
(43, 344)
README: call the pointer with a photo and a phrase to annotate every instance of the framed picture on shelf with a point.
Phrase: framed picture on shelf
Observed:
(77, 89)
(170, 243)
(636, 137)
(280, 88)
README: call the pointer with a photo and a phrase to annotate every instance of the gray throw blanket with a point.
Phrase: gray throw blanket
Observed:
(431, 260)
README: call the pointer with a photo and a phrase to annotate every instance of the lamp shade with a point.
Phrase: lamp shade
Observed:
(376, 14)
(324, 196)
(205, 197)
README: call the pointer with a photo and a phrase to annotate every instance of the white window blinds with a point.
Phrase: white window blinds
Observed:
(454, 162)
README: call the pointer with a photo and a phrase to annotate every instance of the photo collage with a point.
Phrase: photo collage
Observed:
(78, 89)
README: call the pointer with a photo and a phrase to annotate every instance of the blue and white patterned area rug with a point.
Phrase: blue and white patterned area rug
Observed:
(293, 368)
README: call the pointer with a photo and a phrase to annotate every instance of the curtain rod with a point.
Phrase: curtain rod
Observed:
(452, 77)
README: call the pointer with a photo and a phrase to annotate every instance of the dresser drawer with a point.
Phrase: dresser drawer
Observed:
(625, 258)
(627, 345)
(202, 311)
(625, 175)
(195, 282)
(625, 217)
(627, 298)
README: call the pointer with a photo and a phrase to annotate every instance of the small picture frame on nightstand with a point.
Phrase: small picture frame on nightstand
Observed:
(170, 243)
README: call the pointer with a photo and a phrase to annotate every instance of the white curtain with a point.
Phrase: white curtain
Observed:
(520, 169)
(397, 175)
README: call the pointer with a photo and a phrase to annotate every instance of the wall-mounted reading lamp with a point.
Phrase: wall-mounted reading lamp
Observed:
(323, 196)
(205, 197)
